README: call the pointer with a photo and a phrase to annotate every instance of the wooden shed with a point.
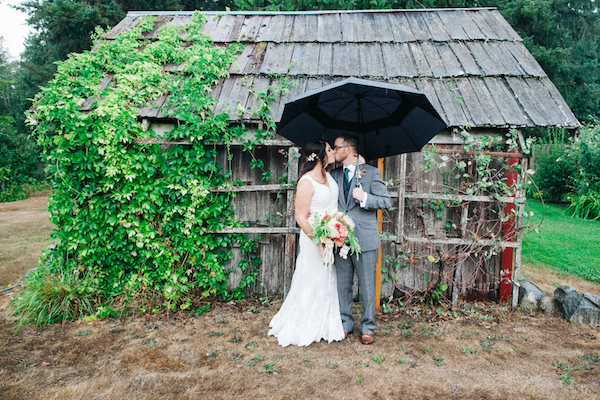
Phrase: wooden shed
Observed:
(471, 64)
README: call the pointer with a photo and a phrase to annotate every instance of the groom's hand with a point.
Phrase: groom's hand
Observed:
(358, 193)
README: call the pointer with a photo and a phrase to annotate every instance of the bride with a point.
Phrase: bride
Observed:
(311, 310)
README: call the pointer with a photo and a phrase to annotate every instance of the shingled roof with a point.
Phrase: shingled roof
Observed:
(471, 64)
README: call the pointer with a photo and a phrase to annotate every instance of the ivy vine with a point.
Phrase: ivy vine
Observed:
(135, 221)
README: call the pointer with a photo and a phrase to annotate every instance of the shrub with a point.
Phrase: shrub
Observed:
(586, 205)
(53, 294)
(555, 170)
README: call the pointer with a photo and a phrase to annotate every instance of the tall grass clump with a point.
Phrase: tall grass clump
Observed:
(52, 294)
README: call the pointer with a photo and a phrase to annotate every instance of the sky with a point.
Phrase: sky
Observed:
(13, 28)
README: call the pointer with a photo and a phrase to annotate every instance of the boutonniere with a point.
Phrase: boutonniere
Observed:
(361, 173)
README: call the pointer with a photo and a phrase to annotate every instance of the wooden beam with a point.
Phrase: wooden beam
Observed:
(378, 267)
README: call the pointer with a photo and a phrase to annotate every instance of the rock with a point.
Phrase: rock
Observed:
(529, 302)
(578, 308)
(526, 287)
(548, 304)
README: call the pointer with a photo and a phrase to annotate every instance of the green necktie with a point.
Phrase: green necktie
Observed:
(347, 174)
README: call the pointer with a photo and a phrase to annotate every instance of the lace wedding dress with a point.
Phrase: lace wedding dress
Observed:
(311, 310)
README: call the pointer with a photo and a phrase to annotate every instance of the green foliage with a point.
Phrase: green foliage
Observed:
(136, 217)
(55, 294)
(567, 171)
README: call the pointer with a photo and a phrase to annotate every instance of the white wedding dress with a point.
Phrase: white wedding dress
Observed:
(311, 310)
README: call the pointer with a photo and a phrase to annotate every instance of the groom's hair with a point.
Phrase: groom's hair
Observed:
(350, 139)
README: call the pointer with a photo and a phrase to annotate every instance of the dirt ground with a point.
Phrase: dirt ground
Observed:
(477, 351)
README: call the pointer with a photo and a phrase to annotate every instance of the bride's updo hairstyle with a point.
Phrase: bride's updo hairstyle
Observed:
(312, 153)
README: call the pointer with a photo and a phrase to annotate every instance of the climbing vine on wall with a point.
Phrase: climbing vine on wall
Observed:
(134, 221)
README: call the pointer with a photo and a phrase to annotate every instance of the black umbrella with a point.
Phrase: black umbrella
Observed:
(389, 119)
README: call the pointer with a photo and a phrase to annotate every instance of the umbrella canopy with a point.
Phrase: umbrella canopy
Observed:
(388, 119)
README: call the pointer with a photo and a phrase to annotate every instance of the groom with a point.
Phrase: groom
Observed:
(362, 193)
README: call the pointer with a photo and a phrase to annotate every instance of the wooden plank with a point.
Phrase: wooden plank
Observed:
(465, 57)
(451, 241)
(237, 96)
(259, 84)
(210, 25)
(151, 109)
(423, 68)
(265, 26)
(569, 119)
(368, 30)
(434, 60)
(469, 26)
(236, 29)
(401, 29)
(296, 90)
(398, 60)
(401, 198)
(418, 26)
(349, 22)
(370, 60)
(382, 28)
(496, 19)
(224, 96)
(250, 28)
(256, 59)
(299, 32)
(288, 29)
(436, 27)
(425, 86)
(224, 26)
(451, 101)
(121, 27)
(510, 63)
(325, 59)
(329, 30)
(486, 64)
(466, 197)
(526, 98)
(484, 27)
(525, 59)
(511, 110)
(547, 105)
(242, 60)
(451, 21)
(256, 188)
(500, 60)
(486, 99)
(476, 111)
(305, 59)
(273, 29)
(345, 57)
(278, 58)
(449, 60)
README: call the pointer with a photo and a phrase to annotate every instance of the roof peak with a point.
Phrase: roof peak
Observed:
(319, 12)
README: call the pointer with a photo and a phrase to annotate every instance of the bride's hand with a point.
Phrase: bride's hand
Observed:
(321, 247)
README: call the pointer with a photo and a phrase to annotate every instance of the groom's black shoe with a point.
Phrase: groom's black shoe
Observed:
(367, 338)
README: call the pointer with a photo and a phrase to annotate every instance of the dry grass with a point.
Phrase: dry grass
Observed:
(24, 232)
(225, 353)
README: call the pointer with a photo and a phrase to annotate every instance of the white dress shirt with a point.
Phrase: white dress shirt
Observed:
(351, 168)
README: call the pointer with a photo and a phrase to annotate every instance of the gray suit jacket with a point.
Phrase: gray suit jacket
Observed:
(378, 198)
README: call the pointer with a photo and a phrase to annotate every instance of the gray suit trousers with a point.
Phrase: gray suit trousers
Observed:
(364, 266)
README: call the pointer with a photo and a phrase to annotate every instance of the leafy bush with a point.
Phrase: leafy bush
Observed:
(555, 172)
(586, 205)
(137, 218)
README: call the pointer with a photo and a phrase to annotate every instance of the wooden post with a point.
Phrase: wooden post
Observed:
(290, 238)
(508, 234)
(378, 268)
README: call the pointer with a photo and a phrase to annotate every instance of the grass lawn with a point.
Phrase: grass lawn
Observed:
(561, 242)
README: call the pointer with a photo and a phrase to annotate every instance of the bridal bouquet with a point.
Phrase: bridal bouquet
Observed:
(334, 229)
